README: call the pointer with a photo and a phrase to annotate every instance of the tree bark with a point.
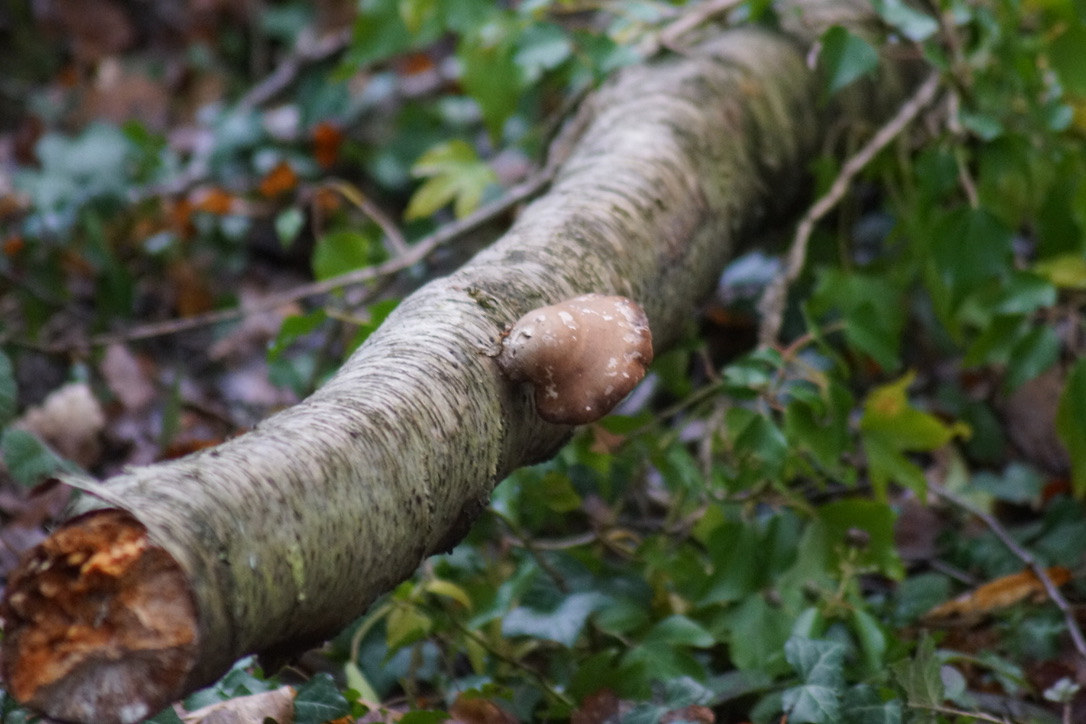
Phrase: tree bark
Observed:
(283, 536)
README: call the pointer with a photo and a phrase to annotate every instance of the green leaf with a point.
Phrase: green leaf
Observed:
(8, 391)
(406, 625)
(1065, 53)
(541, 47)
(969, 246)
(490, 73)
(890, 426)
(343, 251)
(764, 651)
(889, 415)
(28, 459)
(558, 492)
(737, 570)
(292, 329)
(319, 701)
(454, 172)
(1067, 271)
(380, 31)
(1038, 350)
(679, 630)
(377, 314)
(1071, 424)
(915, 25)
(872, 638)
(166, 716)
(920, 676)
(820, 664)
(424, 717)
(845, 58)
(876, 519)
(862, 705)
(562, 624)
(288, 224)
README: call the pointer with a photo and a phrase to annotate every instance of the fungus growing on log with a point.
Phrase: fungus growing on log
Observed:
(582, 355)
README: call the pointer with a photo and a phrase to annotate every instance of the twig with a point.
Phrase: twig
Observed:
(528, 544)
(395, 242)
(414, 254)
(1023, 555)
(668, 37)
(307, 51)
(974, 715)
(771, 306)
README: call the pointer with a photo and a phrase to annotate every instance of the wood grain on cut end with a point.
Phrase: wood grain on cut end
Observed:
(99, 623)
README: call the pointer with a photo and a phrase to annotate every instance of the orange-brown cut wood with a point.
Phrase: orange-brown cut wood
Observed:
(99, 623)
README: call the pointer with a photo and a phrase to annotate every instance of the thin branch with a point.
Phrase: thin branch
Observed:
(1023, 555)
(395, 242)
(668, 37)
(974, 715)
(307, 51)
(772, 304)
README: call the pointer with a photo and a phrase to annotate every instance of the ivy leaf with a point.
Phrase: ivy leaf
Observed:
(541, 47)
(915, 25)
(676, 631)
(920, 676)
(562, 624)
(490, 73)
(28, 459)
(454, 172)
(845, 58)
(342, 251)
(891, 426)
(319, 701)
(1071, 424)
(820, 664)
(863, 705)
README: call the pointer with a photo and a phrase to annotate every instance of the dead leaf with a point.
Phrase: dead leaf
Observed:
(479, 711)
(213, 200)
(127, 377)
(192, 292)
(95, 28)
(278, 181)
(998, 594)
(277, 704)
(694, 714)
(70, 421)
(327, 140)
(601, 707)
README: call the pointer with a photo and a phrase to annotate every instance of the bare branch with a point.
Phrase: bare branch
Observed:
(772, 304)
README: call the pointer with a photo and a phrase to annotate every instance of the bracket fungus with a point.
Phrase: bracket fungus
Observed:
(582, 355)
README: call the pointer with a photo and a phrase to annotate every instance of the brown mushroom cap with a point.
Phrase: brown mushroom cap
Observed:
(582, 355)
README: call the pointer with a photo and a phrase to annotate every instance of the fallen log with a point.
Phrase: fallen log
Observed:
(276, 540)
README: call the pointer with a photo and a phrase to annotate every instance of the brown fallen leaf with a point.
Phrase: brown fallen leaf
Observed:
(70, 420)
(998, 594)
(277, 704)
(479, 711)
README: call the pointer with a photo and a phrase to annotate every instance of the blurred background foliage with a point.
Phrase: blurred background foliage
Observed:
(848, 526)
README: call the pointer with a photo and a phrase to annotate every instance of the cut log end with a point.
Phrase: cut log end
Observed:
(99, 623)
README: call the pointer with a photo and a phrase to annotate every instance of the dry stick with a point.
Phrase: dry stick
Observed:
(415, 254)
(1023, 555)
(771, 306)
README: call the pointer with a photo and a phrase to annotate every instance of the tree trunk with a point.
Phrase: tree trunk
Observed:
(283, 536)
